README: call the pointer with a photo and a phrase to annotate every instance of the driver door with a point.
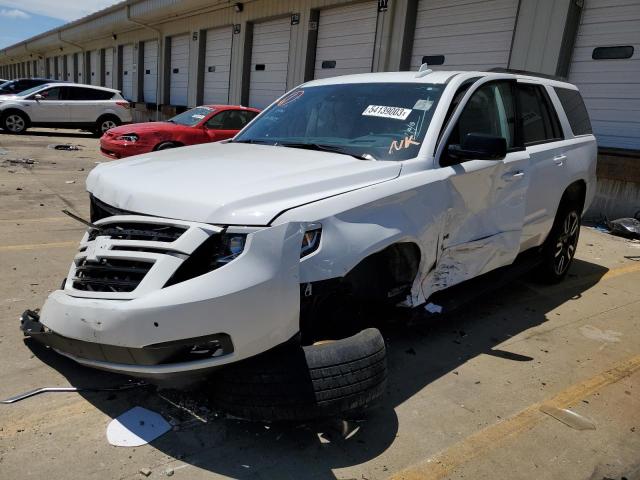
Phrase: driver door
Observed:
(51, 108)
(227, 124)
(482, 225)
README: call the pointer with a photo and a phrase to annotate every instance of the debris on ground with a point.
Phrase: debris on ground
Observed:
(433, 308)
(21, 162)
(65, 147)
(568, 417)
(136, 427)
(145, 471)
(625, 227)
(69, 182)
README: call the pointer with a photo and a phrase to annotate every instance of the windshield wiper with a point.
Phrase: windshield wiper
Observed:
(257, 142)
(327, 148)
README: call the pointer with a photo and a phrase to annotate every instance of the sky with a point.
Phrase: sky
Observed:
(22, 19)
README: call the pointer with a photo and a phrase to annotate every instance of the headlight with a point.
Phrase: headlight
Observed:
(311, 240)
(215, 252)
(129, 137)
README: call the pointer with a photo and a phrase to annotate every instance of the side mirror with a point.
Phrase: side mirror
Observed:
(38, 97)
(480, 146)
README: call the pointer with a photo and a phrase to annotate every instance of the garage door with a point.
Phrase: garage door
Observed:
(217, 64)
(609, 78)
(95, 77)
(346, 37)
(269, 61)
(179, 82)
(150, 74)
(108, 68)
(80, 67)
(127, 72)
(70, 69)
(469, 35)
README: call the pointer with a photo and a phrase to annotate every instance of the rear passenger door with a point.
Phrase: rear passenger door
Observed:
(86, 104)
(544, 142)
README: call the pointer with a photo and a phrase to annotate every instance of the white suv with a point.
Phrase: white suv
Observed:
(346, 193)
(64, 105)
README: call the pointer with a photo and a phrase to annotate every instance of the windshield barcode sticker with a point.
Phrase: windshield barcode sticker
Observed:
(396, 113)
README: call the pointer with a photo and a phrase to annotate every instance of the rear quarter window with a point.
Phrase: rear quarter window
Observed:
(576, 110)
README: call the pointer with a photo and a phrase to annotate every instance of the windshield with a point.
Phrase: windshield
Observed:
(191, 117)
(386, 121)
(31, 90)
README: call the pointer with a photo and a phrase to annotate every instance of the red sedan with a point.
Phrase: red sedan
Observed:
(208, 123)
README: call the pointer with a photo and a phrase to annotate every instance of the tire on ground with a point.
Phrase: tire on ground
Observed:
(547, 272)
(339, 378)
(15, 122)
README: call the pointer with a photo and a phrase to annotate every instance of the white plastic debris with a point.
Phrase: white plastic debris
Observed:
(136, 427)
(433, 308)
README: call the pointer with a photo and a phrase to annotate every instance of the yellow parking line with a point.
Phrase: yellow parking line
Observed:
(616, 272)
(444, 463)
(36, 246)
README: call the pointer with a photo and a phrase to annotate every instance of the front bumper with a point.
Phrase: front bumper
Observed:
(253, 300)
(116, 149)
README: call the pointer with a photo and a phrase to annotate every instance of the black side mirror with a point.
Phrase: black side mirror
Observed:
(480, 146)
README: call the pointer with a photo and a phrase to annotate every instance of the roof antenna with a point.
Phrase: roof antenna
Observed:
(424, 70)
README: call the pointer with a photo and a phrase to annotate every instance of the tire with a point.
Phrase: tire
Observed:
(106, 123)
(165, 146)
(15, 122)
(560, 247)
(292, 383)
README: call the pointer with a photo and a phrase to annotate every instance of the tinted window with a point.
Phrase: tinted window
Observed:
(576, 111)
(230, 120)
(191, 117)
(538, 120)
(490, 111)
(88, 94)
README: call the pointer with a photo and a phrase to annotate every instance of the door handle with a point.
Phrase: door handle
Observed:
(559, 159)
(513, 175)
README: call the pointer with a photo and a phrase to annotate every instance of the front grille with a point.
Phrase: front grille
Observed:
(138, 231)
(110, 275)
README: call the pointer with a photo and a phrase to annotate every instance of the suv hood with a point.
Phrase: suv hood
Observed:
(231, 183)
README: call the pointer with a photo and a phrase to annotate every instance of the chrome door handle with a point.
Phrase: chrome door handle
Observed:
(514, 175)
(559, 159)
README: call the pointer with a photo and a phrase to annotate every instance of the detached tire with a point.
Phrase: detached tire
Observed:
(338, 378)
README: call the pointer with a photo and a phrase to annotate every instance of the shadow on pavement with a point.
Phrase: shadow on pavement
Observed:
(64, 134)
(418, 354)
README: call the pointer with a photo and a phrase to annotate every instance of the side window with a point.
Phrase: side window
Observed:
(76, 93)
(54, 93)
(576, 110)
(489, 111)
(538, 119)
(229, 120)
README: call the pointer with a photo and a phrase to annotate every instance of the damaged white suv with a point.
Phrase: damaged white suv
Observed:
(379, 188)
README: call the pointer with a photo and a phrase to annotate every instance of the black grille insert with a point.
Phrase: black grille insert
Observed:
(110, 275)
(138, 231)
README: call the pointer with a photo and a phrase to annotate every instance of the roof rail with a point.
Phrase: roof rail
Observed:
(525, 72)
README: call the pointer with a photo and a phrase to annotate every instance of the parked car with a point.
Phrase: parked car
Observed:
(64, 105)
(11, 87)
(208, 123)
(245, 257)
(2, 80)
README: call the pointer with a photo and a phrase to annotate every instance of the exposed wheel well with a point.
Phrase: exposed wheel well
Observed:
(576, 192)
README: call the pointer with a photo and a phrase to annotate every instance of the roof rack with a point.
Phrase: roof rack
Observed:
(525, 72)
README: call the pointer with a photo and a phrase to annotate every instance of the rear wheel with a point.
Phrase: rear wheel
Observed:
(327, 379)
(105, 124)
(559, 250)
(15, 122)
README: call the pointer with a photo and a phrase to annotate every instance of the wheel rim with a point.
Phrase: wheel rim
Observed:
(108, 125)
(566, 244)
(14, 123)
